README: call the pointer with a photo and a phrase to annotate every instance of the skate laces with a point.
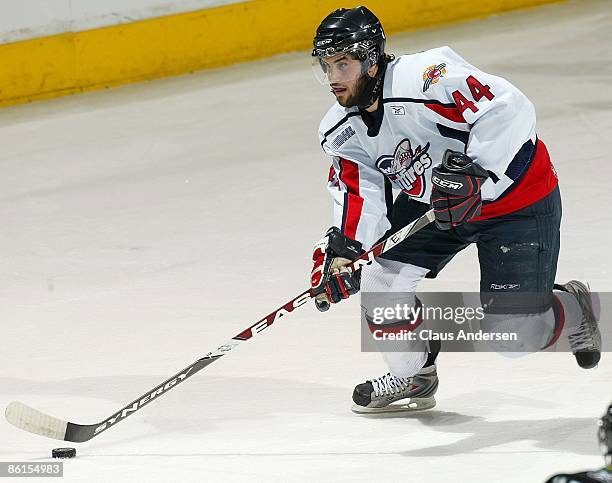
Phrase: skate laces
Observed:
(389, 384)
(584, 338)
(587, 334)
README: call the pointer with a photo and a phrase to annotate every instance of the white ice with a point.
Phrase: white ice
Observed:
(142, 227)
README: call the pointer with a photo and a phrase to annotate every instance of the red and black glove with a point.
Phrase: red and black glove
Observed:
(455, 195)
(331, 280)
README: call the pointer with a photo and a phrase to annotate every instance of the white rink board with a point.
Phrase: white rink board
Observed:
(27, 19)
(144, 226)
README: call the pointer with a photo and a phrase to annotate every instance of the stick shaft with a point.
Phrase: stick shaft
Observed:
(34, 421)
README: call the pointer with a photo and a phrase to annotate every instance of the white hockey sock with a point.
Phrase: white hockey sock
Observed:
(405, 364)
(571, 310)
(533, 331)
(386, 283)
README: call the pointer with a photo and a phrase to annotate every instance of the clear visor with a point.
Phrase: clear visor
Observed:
(339, 68)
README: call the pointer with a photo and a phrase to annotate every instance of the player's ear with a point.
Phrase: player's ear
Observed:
(373, 70)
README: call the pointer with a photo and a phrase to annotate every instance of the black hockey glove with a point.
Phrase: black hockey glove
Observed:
(331, 280)
(455, 194)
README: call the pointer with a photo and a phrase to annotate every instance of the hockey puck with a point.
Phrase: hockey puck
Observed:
(63, 453)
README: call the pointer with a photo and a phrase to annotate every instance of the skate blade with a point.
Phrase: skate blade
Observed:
(414, 405)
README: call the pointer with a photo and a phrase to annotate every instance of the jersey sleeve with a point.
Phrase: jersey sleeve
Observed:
(500, 118)
(361, 197)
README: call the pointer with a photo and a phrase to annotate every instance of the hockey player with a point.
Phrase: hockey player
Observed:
(603, 475)
(449, 135)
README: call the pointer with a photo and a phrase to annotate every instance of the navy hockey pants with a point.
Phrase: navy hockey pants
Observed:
(517, 252)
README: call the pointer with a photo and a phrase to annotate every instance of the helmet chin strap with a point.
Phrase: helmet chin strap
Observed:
(372, 87)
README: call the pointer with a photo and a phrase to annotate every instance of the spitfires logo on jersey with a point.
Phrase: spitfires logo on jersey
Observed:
(406, 167)
(432, 75)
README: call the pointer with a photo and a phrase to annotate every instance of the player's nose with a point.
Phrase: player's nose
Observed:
(333, 75)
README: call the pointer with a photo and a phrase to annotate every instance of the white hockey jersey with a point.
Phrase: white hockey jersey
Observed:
(432, 101)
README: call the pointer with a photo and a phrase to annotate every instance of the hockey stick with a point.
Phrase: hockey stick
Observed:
(34, 421)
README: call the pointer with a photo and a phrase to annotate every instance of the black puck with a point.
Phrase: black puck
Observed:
(63, 453)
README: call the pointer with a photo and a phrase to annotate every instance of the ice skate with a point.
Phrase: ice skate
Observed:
(415, 393)
(586, 341)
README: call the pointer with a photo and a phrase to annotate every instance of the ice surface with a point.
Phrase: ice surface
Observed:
(142, 227)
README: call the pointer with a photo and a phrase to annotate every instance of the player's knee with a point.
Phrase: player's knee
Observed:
(391, 319)
(388, 275)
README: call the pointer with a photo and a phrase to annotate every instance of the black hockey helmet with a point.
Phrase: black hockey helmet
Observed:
(357, 30)
(605, 435)
(359, 33)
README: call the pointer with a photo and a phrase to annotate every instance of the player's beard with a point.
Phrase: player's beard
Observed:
(352, 98)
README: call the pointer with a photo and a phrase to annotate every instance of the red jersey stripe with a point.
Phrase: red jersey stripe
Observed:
(559, 312)
(539, 181)
(349, 174)
(450, 113)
